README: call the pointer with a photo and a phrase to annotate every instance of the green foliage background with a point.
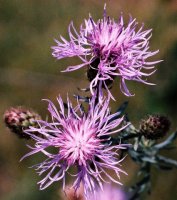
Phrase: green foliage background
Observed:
(28, 73)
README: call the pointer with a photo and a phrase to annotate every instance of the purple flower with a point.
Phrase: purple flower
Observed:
(109, 48)
(81, 141)
(109, 193)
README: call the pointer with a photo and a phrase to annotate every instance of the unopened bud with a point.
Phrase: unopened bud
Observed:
(18, 119)
(154, 127)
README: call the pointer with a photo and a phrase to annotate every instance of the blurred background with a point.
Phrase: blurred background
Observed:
(28, 73)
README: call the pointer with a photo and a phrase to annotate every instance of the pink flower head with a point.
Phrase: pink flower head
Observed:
(109, 48)
(80, 140)
(109, 193)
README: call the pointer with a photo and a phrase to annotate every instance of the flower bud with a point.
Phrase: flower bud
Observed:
(154, 127)
(18, 119)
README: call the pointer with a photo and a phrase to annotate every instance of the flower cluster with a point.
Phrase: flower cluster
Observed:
(80, 139)
(109, 49)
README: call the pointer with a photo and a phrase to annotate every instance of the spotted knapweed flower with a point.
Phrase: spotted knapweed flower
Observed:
(109, 49)
(81, 140)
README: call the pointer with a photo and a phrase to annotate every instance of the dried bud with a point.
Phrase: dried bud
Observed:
(18, 119)
(154, 127)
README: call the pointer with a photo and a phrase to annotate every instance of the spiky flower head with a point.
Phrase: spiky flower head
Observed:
(109, 49)
(155, 126)
(80, 140)
(18, 119)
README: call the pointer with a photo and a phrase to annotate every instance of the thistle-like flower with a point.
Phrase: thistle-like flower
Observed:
(81, 140)
(109, 49)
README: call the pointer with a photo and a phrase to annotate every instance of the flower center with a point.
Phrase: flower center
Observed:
(79, 142)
